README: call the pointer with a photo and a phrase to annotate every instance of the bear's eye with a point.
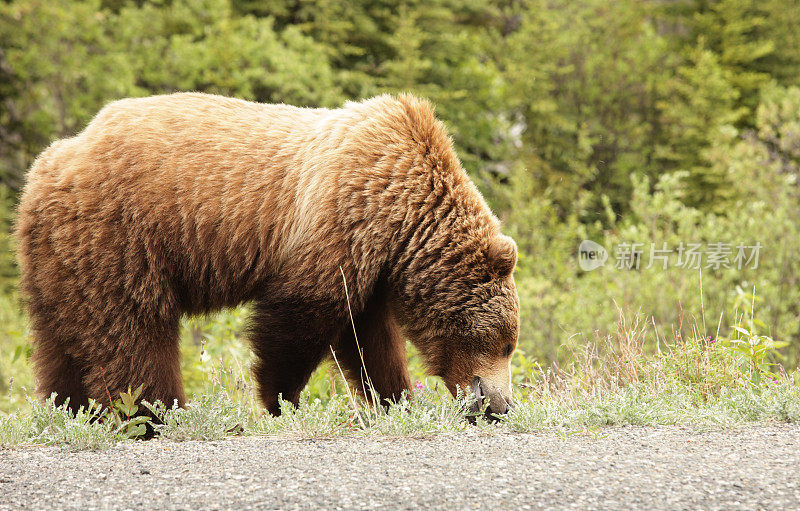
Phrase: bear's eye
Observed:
(507, 350)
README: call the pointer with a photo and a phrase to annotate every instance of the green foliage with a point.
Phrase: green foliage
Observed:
(211, 416)
(695, 381)
(755, 41)
(699, 102)
(203, 45)
(124, 410)
(636, 405)
(8, 268)
(46, 423)
(65, 63)
(213, 351)
(563, 305)
(756, 353)
(583, 80)
(16, 378)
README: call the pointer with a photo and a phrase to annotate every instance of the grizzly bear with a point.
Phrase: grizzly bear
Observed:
(188, 203)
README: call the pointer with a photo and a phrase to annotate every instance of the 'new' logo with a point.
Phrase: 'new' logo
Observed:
(591, 255)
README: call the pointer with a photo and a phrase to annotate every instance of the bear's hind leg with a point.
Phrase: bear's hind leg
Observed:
(143, 358)
(57, 372)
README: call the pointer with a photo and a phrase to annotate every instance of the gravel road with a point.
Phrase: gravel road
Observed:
(615, 468)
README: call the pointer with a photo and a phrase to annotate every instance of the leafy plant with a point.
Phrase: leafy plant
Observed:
(124, 414)
(210, 416)
(757, 353)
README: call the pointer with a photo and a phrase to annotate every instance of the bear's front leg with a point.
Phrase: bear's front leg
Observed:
(381, 365)
(290, 338)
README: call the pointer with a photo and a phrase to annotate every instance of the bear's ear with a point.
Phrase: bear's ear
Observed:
(502, 255)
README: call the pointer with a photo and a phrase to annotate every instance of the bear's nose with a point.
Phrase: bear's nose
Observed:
(483, 392)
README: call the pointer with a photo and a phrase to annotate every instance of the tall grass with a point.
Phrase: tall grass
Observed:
(639, 374)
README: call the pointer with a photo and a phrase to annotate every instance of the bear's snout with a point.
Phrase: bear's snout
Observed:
(485, 392)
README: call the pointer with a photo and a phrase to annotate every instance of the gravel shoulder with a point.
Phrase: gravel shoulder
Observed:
(613, 468)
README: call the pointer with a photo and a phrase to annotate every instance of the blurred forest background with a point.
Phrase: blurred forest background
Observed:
(632, 121)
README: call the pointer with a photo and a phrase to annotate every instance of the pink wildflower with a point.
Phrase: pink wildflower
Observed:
(419, 385)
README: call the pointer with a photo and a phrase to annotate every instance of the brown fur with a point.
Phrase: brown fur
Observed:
(187, 203)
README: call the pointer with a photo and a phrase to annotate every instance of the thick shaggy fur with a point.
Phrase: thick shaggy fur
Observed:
(187, 203)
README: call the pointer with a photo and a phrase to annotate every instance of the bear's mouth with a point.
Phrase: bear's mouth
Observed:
(497, 404)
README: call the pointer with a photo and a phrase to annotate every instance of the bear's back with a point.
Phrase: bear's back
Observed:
(194, 188)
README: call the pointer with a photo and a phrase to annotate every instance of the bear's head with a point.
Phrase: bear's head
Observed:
(452, 271)
(462, 313)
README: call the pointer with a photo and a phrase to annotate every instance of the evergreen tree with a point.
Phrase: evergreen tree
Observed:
(584, 76)
(697, 103)
(754, 41)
